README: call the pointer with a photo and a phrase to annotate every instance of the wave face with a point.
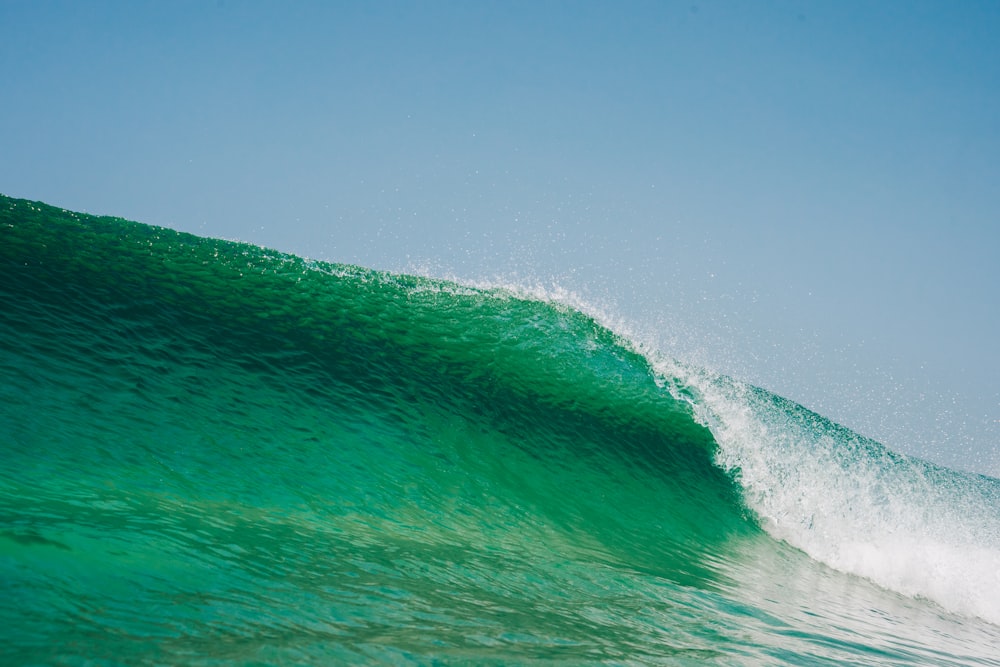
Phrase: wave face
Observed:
(214, 453)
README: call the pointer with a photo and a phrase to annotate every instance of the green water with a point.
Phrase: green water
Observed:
(214, 453)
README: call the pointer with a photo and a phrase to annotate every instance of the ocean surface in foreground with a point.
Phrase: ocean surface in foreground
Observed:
(214, 453)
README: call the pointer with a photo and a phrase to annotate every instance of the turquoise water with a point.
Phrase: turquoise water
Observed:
(215, 453)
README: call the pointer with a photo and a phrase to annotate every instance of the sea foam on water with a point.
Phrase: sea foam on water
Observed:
(903, 523)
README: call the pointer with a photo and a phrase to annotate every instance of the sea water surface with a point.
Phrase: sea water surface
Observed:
(213, 453)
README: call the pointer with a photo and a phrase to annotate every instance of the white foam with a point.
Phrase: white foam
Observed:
(907, 525)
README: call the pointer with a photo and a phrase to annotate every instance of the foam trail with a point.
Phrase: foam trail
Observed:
(847, 501)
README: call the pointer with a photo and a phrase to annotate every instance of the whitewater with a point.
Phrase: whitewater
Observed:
(215, 453)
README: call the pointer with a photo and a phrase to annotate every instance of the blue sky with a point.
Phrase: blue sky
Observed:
(804, 194)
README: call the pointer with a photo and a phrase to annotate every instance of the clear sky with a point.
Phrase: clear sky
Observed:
(803, 194)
